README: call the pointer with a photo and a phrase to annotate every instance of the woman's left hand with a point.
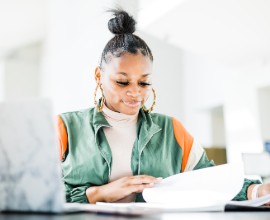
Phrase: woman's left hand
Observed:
(264, 189)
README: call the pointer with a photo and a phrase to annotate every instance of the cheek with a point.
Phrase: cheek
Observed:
(117, 91)
(113, 92)
(147, 93)
(107, 87)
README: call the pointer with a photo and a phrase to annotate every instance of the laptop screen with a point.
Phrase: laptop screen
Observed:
(30, 173)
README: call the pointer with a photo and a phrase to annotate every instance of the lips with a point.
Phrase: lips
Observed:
(132, 104)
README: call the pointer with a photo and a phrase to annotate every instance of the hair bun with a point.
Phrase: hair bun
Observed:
(122, 23)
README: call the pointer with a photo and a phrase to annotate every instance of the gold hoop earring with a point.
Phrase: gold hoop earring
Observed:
(100, 106)
(153, 104)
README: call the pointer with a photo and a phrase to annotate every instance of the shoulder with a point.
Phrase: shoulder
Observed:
(77, 115)
(166, 120)
(161, 121)
(160, 118)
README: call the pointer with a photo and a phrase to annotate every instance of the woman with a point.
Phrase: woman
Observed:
(112, 152)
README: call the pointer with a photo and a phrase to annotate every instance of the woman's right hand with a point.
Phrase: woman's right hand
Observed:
(120, 188)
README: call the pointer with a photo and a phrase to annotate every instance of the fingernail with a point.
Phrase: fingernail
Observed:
(159, 179)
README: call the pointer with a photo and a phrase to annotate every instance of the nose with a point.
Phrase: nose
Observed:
(133, 91)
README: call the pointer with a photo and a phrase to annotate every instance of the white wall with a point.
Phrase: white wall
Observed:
(235, 88)
(235, 34)
(218, 127)
(264, 112)
(203, 82)
(167, 77)
(71, 53)
(242, 120)
(189, 86)
(208, 84)
(2, 84)
(77, 34)
(22, 73)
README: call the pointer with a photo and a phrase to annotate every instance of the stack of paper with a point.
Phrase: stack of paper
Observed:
(209, 189)
(213, 186)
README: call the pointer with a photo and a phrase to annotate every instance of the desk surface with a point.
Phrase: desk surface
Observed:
(166, 216)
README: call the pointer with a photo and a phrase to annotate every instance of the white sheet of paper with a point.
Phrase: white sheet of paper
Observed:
(199, 188)
(150, 208)
(208, 189)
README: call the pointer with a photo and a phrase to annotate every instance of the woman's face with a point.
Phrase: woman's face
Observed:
(126, 82)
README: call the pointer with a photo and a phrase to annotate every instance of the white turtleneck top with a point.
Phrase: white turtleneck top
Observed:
(121, 137)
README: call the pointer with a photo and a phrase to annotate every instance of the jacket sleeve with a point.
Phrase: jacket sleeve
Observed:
(76, 194)
(73, 193)
(62, 138)
(193, 155)
(242, 195)
(204, 162)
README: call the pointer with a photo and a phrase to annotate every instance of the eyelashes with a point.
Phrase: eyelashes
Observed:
(142, 84)
(122, 83)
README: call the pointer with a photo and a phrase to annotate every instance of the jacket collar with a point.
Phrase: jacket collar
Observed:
(144, 119)
(99, 120)
(146, 128)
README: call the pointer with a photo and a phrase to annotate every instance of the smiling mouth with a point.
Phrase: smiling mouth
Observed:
(132, 104)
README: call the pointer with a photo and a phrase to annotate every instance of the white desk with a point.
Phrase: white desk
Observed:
(169, 216)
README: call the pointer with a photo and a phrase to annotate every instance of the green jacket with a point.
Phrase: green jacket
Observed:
(162, 148)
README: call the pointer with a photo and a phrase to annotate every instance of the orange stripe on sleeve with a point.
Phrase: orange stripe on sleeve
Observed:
(62, 137)
(184, 139)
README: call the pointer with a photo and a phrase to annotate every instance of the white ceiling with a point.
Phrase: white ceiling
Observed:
(229, 31)
(21, 22)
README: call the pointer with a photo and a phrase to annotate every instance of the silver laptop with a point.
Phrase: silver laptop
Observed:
(30, 174)
(30, 171)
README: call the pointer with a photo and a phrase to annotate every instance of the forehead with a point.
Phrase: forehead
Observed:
(130, 64)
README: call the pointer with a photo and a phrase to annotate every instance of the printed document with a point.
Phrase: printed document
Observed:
(208, 189)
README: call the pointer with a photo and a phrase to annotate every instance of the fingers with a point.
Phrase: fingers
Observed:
(141, 187)
(143, 179)
(139, 183)
(125, 186)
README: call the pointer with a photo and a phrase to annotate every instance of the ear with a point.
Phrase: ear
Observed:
(97, 74)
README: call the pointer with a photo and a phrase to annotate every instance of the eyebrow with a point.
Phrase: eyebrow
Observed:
(125, 74)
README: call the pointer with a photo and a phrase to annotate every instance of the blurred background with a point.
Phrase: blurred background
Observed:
(211, 64)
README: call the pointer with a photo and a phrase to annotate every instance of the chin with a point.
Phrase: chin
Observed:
(130, 111)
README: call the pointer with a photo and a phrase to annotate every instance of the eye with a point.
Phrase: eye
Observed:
(122, 83)
(144, 84)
